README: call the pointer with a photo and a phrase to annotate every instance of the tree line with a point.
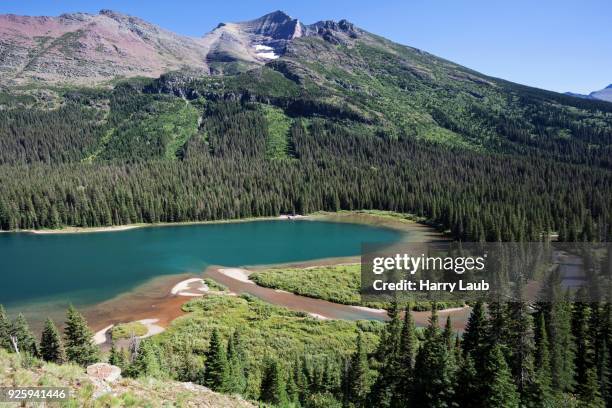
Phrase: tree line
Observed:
(224, 175)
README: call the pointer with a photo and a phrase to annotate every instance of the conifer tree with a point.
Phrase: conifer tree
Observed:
(384, 387)
(22, 336)
(357, 376)
(583, 360)
(273, 389)
(539, 391)
(468, 391)
(449, 342)
(79, 339)
(236, 359)
(299, 379)
(562, 349)
(447, 334)
(520, 341)
(501, 391)
(51, 346)
(604, 373)
(117, 357)
(474, 337)
(497, 325)
(5, 330)
(216, 372)
(293, 392)
(589, 391)
(406, 357)
(433, 386)
(147, 361)
(389, 343)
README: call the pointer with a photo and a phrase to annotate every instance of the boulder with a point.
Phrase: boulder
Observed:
(103, 371)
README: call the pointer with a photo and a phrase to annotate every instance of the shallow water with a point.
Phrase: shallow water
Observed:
(87, 268)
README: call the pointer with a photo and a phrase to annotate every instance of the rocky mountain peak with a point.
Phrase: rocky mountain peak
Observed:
(112, 13)
(278, 25)
(336, 32)
(278, 15)
(234, 45)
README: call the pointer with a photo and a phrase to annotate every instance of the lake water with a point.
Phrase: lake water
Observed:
(87, 268)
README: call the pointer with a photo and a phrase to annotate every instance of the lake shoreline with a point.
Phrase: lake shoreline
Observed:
(157, 301)
(366, 217)
(126, 227)
(166, 306)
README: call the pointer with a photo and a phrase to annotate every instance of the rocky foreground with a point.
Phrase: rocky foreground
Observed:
(96, 387)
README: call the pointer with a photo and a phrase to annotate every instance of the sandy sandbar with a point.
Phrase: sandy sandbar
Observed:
(103, 336)
(238, 274)
(190, 287)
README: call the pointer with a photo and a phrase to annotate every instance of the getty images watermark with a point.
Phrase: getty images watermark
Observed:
(504, 272)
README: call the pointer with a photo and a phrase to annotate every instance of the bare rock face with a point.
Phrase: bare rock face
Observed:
(250, 43)
(335, 32)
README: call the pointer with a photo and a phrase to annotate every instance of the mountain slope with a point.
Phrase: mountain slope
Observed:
(332, 70)
(82, 48)
(602, 95)
(376, 87)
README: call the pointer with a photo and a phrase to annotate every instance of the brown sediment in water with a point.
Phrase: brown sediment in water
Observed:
(151, 300)
(154, 300)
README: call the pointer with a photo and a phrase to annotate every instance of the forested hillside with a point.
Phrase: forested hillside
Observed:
(343, 120)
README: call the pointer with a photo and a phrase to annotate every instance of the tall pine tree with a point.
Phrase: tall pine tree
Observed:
(51, 346)
(216, 372)
(22, 337)
(406, 357)
(357, 376)
(474, 337)
(387, 355)
(273, 389)
(433, 386)
(539, 391)
(501, 391)
(236, 359)
(78, 337)
(5, 330)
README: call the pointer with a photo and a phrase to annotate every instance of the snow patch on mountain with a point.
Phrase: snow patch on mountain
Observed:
(265, 52)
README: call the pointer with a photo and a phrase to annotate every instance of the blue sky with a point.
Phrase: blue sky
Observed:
(558, 45)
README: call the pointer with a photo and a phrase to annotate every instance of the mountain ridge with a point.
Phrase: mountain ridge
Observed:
(604, 94)
(88, 49)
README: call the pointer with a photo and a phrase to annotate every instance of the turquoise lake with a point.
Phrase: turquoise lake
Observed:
(91, 267)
